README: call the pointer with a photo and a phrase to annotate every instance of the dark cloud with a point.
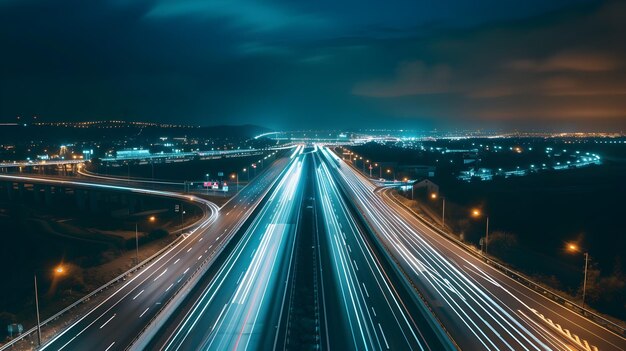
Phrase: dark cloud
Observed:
(560, 69)
(291, 64)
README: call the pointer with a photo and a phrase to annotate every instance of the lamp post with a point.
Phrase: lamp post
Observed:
(151, 219)
(57, 271)
(207, 183)
(236, 178)
(443, 209)
(37, 309)
(247, 170)
(477, 213)
(574, 248)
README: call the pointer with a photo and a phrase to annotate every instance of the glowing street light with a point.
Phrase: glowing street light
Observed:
(476, 213)
(236, 177)
(572, 247)
(434, 196)
(58, 270)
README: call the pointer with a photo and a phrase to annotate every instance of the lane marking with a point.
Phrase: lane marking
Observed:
(108, 320)
(136, 296)
(144, 312)
(159, 276)
(107, 349)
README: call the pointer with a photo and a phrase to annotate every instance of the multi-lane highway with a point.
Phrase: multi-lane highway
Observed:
(383, 278)
(242, 304)
(375, 312)
(115, 322)
(480, 307)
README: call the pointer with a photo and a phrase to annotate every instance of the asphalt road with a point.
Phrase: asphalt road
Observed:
(371, 310)
(480, 307)
(114, 323)
(242, 303)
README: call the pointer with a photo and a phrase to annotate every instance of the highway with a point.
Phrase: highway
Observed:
(370, 310)
(480, 307)
(114, 323)
(243, 302)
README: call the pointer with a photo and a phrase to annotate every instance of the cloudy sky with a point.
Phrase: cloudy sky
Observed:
(292, 64)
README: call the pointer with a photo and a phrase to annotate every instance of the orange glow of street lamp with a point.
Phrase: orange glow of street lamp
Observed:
(152, 218)
(433, 196)
(475, 212)
(572, 247)
(59, 269)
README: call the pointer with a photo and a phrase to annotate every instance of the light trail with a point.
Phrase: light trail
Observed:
(472, 308)
(242, 286)
(358, 303)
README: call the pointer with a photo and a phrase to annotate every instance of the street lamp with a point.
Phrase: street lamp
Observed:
(208, 184)
(574, 248)
(150, 219)
(58, 270)
(477, 213)
(236, 177)
(443, 210)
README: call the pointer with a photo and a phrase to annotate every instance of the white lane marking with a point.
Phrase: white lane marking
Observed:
(240, 275)
(364, 288)
(136, 296)
(199, 240)
(108, 320)
(107, 349)
(373, 310)
(159, 276)
(177, 261)
(210, 246)
(190, 249)
(169, 287)
(383, 333)
(144, 312)
(199, 257)
(186, 270)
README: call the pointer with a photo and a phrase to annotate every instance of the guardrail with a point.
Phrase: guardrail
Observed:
(106, 286)
(521, 278)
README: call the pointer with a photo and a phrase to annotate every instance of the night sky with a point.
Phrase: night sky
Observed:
(291, 64)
